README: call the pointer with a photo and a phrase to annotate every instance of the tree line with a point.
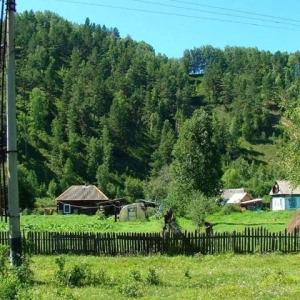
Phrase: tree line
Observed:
(96, 108)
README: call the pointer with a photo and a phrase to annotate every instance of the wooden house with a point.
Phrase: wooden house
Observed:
(284, 196)
(85, 199)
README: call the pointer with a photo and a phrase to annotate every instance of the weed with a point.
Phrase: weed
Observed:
(187, 274)
(152, 277)
(136, 275)
(9, 287)
(3, 259)
(130, 289)
(78, 275)
(230, 208)
(100, 278)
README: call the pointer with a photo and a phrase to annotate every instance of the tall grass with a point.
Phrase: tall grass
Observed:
(226, 276)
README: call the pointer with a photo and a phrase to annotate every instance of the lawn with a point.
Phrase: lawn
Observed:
(227, 276)
(274, 221)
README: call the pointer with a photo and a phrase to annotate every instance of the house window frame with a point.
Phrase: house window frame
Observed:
(67, 208)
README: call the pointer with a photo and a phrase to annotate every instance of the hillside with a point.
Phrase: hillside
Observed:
(100, 109)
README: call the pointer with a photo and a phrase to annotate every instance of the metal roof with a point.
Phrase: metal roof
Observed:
(82, 193)
(228, 193)
(252, 201)
(237, 198)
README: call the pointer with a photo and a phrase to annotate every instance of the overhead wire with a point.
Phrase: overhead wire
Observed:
(235, 10)
(180, 15)
(213, 12)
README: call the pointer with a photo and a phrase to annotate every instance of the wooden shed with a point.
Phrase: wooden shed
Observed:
(85, 199)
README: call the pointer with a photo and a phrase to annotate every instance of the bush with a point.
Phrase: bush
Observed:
(136, 275)
(230, 208)
(3, 259)
(78, 275)
(153, 277)
(130, 289)
(9, 287)
(13, 281)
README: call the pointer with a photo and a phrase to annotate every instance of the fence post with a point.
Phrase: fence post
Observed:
(233, 241)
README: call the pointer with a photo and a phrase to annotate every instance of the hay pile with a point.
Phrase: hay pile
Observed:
(294, 222)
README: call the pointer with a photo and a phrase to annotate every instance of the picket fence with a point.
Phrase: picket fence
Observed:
(251, 240)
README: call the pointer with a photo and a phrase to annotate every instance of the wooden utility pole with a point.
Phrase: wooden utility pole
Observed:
(13, 191)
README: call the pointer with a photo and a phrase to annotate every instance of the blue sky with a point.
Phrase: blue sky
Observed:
(172, 26)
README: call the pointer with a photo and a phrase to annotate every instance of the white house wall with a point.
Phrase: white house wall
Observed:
(285, 203)
(278, 203)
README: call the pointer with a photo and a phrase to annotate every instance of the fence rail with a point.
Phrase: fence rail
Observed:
(251, 240)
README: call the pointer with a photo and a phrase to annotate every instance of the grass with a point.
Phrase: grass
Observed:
(274, 221)
(228, 276)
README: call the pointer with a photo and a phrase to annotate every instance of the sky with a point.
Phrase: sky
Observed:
(173, 26)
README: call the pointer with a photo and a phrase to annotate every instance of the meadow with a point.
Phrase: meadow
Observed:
(226, 276)
(274, 221)
(205, 277)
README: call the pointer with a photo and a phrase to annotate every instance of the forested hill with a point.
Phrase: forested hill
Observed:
(99, 109)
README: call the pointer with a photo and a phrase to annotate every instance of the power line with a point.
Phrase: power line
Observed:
(234, 10)
(177, 14)
(213, 12)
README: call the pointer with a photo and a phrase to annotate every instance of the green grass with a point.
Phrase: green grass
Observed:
(274, 221)
(226, 276)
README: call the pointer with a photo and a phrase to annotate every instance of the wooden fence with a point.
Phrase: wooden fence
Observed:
(251, 240)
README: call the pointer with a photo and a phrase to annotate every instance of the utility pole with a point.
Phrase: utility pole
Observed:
(13, 191)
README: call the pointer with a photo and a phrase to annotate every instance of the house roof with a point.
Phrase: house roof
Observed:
(237, 198)
(283, 187)
(228, 193)
(252, 201)
(82, 193)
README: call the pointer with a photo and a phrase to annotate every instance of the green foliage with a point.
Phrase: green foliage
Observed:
(153, 278)
(196, 162)
(200, 207)
(9, 287)
(78, 275)
(236, 279)
(130, 289)
(228, 209)
(133, 189)
(3, 260)
(27, 187)
(14, 280)
(136, 275)
(94, 107)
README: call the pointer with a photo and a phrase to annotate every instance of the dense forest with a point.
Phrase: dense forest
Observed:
(95, 108)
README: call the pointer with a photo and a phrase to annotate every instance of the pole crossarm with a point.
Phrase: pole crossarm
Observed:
(11, 5)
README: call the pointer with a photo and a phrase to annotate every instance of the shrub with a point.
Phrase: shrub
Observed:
(78, 275)
(136, 275)
(9, 287)
(3, 259)
(230, 208)
(130, 289)
(153, 277)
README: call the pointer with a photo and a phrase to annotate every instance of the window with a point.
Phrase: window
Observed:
(67, 208)
(292, 203)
